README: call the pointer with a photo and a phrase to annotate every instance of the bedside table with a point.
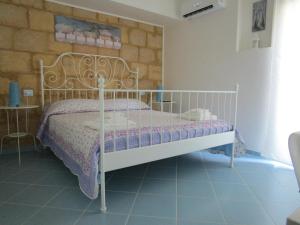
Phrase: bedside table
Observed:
(18, 134)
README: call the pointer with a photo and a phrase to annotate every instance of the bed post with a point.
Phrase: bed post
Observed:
(42, 83)
(234, 125)
(101, 82)
(137, 79)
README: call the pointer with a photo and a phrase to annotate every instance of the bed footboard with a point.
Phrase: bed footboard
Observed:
(214, 111)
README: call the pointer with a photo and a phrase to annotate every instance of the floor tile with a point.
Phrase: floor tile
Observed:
(59, 179)
(244, 212)
(190, 161)
(198, 223)
(97, 218)
(49, 216)
(117, 202)
(280, 211)
(11, 214)
(199, 210)
(27, 177)
(140, 220)
(161, 172)
(6, 172)
(70, 198)
(159, 186)
(6, 158)
(25, 163)
(171, 162)
(46, 165)
(195, 189)
(8, 190)
(254, 166)
(214, 158)
(195, 156)
(265, 192)
(35, 195)
(224, 175)
(216, 165)
(286, 178)
(260, 179)
(155, 205)
(192, 174)
(39, 155)
(127, 184)
(134, 171)
(47, 154)
(233, 192)
(276, 194)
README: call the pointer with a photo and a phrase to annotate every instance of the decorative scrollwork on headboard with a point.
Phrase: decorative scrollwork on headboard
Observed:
(80, 72)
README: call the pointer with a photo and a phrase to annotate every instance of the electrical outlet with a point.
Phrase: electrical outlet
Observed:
(28, 92)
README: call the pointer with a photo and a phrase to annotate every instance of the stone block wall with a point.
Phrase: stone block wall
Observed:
(27, 35)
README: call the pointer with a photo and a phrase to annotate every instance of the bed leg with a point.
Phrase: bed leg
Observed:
(232, 155)
(103, 207)
(101, 83)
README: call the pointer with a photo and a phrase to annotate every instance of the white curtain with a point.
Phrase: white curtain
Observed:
(284, 108)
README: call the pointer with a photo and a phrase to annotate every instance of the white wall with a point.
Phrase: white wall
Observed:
(164, 7)
(201, 54)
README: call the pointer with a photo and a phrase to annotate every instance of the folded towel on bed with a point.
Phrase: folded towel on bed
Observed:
(110, 126)
(112, 121)
(116, 115)
(198, 115)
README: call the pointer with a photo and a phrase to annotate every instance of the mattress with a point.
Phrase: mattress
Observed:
(78, 145)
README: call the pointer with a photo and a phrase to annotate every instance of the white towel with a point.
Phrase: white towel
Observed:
(112, 121)
(198, 115)
(111, 115)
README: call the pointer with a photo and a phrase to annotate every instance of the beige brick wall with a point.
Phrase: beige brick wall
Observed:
(27, 35)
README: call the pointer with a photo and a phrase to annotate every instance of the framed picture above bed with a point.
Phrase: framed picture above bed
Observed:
(87, 33)
(259, 14)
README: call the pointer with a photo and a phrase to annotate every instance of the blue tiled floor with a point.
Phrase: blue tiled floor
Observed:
(196, 189)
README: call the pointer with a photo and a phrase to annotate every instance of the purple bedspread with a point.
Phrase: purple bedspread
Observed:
(78, 145)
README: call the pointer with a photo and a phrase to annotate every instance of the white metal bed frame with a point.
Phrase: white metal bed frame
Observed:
(76, 75)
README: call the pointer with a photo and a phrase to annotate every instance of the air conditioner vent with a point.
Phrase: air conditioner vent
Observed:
(198, 11)
(192, 8)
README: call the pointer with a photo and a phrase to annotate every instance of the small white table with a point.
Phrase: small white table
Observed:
(18, 134)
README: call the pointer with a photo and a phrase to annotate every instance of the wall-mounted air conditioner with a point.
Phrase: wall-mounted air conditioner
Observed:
(193, 8)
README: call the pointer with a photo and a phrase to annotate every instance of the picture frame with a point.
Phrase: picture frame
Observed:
(86, 33)
(259, 14)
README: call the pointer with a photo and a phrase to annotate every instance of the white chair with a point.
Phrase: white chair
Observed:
(294, 147)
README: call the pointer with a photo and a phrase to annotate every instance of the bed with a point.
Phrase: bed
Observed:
(96, 119)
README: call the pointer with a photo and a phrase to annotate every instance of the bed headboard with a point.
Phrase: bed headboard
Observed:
(75, 75)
